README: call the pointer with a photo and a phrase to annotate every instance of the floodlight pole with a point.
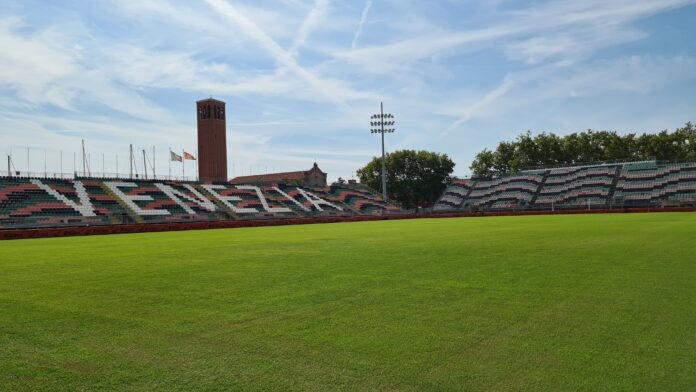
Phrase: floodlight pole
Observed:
(84, 167)
(381, 122)
(131, 162)
(144, 165)
(384, 164)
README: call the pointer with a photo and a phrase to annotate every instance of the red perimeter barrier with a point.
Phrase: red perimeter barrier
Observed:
(11, 234)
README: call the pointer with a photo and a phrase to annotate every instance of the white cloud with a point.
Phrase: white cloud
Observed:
(479, 107)
(554, 83)
(574, 46)
(314, 18)
(569, 17)
(283, 57)
(33, 67)
(361, 24)
(631, 74)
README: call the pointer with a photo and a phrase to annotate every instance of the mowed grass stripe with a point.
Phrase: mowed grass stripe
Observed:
(589, 302)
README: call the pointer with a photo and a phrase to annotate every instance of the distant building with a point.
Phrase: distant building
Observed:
(311, 177)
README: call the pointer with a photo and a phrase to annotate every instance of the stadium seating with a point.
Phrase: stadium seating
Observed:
(454, 195)
(360, 199)
(43, 202)
(28, 203)
(654, 185)
(637, 184)
(575, 187)
(503, 193)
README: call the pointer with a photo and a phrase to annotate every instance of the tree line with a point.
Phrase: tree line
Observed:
(418, 178)
(548, 149)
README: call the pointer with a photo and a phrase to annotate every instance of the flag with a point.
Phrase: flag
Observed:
(189, 157)
(174, 157)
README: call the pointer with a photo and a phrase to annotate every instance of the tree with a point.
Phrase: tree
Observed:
(584, 147)
(414, 178)
(484, 164)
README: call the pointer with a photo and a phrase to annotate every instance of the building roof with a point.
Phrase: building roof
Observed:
(276, 177)
(271, 177)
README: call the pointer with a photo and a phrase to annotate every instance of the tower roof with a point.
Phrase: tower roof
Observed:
(211, 99)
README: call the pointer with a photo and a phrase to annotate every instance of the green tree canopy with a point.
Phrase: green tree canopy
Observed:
(414, 178)
(548, 149)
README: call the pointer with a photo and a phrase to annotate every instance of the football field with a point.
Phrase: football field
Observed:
(584, 302)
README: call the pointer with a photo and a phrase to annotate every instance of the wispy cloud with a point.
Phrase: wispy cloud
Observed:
(361, 24)
(34, 68)
(314, 18)
(481, 105)
(571, 17)
(331, 90)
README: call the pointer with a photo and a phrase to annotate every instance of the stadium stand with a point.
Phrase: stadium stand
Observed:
(635, 184)
(503, 193)
(454, 195)
(652, 185)
(44, 202)
(576, 187)
(360, 199)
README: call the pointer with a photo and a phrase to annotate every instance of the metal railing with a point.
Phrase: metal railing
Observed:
(93, 175)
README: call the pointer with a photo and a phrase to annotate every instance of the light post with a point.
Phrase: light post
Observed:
(379, 121)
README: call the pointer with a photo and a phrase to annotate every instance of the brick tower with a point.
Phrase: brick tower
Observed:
(212, 140)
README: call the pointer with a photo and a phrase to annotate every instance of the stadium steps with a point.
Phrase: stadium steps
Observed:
(464, 197)
(468, 193)
(137, 218)
(348, 207)
(532, 201)
(614, 183)
(116, 220)
(222, 212)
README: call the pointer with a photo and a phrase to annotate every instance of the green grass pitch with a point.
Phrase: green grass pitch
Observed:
(578, 303)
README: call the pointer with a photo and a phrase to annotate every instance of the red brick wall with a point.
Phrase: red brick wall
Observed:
(9, 234)
(212, 140)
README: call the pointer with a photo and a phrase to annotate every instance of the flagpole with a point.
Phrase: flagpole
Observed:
(183, 165)
(170, 163)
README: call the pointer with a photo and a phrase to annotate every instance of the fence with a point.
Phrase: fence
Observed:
(94, 175)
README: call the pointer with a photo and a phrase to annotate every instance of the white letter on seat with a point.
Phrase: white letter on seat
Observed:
(176, 196)
(264, 203)
(85, 208)
(302, 206)
(316, 200)
(130, 199)
(226, 200)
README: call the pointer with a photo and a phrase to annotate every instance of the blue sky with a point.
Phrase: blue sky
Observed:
(302, 77)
